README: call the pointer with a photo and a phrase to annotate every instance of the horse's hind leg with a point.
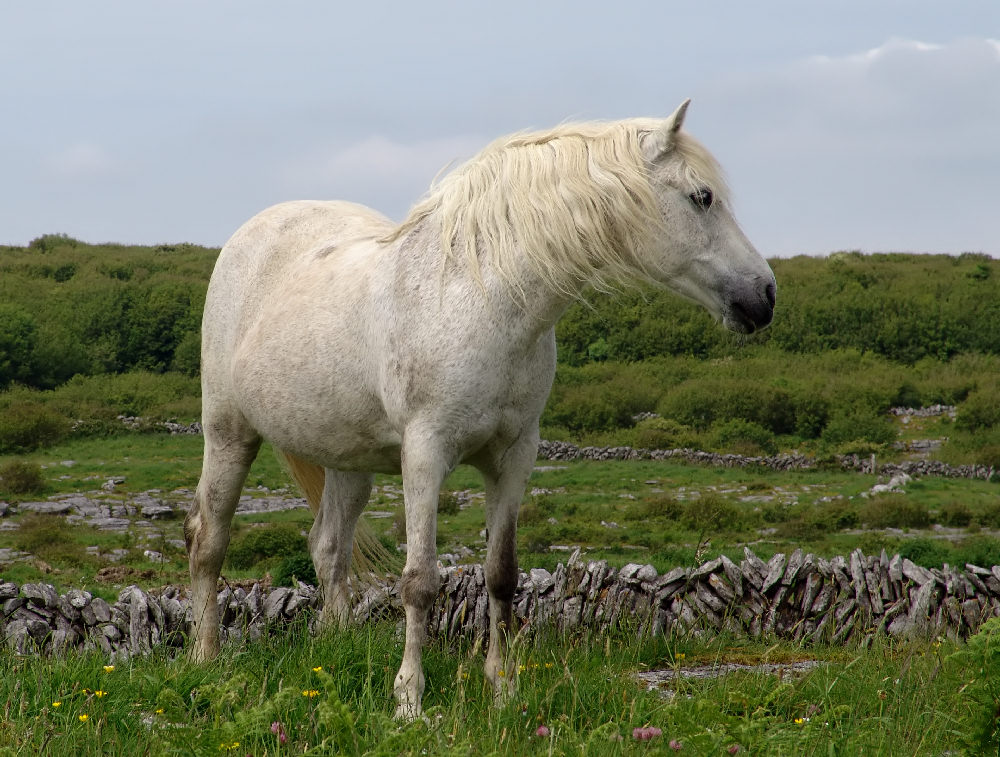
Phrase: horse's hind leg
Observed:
(505, 479)
(331, 539)
(230, 448)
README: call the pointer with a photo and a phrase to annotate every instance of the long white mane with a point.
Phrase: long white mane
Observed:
(575, 203)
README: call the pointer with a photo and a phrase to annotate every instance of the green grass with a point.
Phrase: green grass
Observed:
(663, 513)
(891, 699)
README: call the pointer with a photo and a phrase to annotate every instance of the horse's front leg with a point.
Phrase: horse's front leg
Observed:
(331, 540)
(206, 532)
(424, 469)
(505, 484)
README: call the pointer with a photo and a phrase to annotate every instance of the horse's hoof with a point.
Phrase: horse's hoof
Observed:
(408, 712)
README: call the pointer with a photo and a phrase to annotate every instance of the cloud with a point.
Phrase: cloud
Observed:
(891, 148)
(81, 161)
(387, 173)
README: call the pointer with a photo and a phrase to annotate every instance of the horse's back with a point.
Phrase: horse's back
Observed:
(255, 260)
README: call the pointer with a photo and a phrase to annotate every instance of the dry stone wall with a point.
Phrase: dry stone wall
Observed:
(783, 462)
(798, 596)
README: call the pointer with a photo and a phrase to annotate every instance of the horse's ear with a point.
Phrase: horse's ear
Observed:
(661, 140)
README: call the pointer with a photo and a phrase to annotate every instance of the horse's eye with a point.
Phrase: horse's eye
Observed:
(702, 198)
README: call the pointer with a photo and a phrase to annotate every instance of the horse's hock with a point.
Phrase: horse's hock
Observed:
(800, 597)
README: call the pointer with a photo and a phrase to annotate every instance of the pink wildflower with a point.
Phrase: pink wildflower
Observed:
(675, 745)
(646, 733)
(543, 731)
(277, 729)
(734, 749)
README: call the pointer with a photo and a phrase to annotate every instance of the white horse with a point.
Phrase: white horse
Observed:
(357, 346)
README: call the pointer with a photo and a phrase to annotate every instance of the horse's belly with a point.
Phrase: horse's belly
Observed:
(321, 410)
(330, 439)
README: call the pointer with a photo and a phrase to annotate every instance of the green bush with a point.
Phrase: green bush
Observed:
(598, 406)
(741, 436)
(711, 513)
(894, 511)
(701, 403)
(978, 663)
(930, 553)
(807, 521)
(979, 550)
(811, 415)
(844, 429)
(955, 514)
(664, 433)
(39, 532)
(448, 503)
(262, 543)
(26, 426)
(21, 477)
(981, 410)
(659, 505)
(298, 566)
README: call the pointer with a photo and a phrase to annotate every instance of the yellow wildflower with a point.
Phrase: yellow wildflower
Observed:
(83, 718)
(310, 693)
(57, 704)
(108, 668)
(317, 669)
(99, 693)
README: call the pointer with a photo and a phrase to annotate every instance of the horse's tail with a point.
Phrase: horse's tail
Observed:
(370, 556)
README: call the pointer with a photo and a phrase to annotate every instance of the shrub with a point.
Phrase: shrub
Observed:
(811, 415)
(710, 513)
(979, 550)
(978, 664)
(25, 426)
(530, 513)
(21, 477)
(981, 410)
(743, 436)
(894, 511)
(664, 433)
(259, 544)
(930, 553)
(659, 505)
(599, 406)
(955, 514)
(298, 566)
(38, 532)
(447, 503)
(845, 429)
(702, 403)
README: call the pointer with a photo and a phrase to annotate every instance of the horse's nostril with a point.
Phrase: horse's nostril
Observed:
(770, 291)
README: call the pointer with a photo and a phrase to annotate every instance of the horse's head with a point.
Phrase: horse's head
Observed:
(700, 252)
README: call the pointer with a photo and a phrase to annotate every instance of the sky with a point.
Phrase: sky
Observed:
(851, 125)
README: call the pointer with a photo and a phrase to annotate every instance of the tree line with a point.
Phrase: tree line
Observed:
(91, 331)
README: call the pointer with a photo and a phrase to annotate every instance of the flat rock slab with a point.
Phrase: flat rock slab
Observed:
(661, 680)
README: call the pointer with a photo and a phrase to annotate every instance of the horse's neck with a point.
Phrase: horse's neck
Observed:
(518, 298)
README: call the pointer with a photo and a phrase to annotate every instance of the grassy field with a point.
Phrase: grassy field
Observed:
(663, 513)
(296, 694)
(578, 694)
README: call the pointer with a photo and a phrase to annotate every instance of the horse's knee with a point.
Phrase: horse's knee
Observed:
(502, 574)
(419, 585)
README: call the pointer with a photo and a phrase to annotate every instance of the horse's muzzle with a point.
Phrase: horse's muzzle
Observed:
(752, 308)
